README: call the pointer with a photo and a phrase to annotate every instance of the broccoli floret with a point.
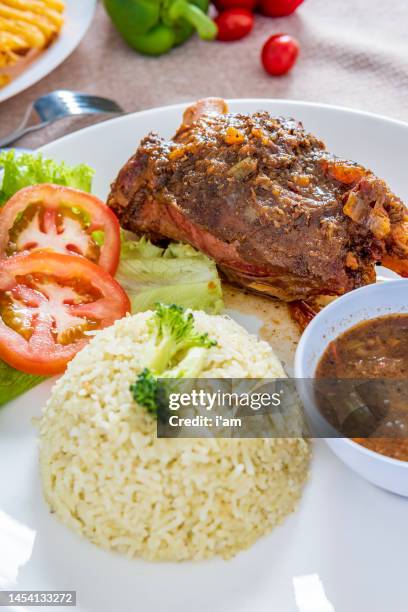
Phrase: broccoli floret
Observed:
(145, 390)
(175, 351)
(190, 366)
(150, 393)
(173, 335)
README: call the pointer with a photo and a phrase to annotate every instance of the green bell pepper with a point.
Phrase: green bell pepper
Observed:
(153, 27)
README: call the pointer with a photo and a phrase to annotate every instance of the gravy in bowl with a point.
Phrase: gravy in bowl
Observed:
(373, 349)
(377, 348)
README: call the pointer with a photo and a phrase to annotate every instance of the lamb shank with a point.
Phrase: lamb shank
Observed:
(278, 213)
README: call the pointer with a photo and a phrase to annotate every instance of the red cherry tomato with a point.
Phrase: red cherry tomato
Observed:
(278, 8)
(279, 53)
(234, 24)
(48, 301)
(224, 5)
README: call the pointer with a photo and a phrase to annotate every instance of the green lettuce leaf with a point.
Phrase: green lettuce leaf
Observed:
(14, 383)
(26, 169)
(177, 274)
(21, 171)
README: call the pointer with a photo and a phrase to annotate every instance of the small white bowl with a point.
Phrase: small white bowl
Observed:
(360, 305)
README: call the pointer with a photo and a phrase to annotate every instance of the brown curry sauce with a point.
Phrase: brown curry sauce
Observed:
(375, 349)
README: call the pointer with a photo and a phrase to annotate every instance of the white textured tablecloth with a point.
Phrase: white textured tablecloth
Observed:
(353, 53)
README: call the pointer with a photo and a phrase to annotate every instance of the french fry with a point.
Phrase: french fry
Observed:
(26, 27)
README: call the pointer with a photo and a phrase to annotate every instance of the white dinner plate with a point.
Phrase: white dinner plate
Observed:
(343, 550)
(78, 16)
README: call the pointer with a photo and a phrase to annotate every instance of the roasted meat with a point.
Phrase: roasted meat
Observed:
(278, 213)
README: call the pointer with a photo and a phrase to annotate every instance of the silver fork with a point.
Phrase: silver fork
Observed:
(57, 105)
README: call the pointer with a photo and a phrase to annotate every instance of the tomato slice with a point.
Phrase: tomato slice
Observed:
(48, 301)
(62, 219)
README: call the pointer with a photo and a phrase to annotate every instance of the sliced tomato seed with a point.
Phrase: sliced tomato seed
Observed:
(14, 317)
(75, 333)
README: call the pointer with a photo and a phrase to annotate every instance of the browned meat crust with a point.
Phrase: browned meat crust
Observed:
(278, 213)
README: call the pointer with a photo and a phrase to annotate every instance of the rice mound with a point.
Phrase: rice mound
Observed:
(106, 475)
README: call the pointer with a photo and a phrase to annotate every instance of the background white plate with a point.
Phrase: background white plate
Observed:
(345, 547)
(78, 16)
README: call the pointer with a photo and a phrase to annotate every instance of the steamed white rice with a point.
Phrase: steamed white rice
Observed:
(106, 475)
